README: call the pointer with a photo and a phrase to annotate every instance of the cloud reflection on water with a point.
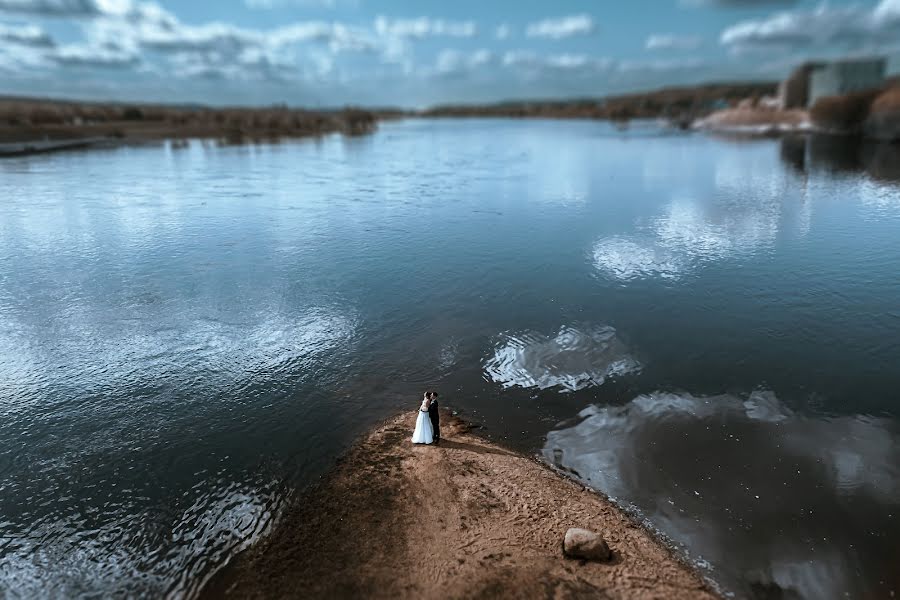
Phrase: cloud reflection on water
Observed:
(728, 474)
(129, 553)
(98, 356)
(625, 259)
(185, 383)
(690, 233)
(573, 359)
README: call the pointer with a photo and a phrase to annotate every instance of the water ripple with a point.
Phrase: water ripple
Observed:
(626, 259)
(123, 552)
(573, 359)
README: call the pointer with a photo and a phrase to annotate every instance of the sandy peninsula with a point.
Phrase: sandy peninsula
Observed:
(467, 519)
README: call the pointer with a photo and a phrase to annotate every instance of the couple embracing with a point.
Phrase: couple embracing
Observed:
(428, 423)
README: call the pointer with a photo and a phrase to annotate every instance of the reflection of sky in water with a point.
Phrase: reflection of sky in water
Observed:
(751, 500)
(882, 200)
(573, 359)
(691, 232)
(143, 328)
(131, 551)
(626, 259)
(691, 229)
(743, 209)
(186, 381)
(117, 357)
(171, 320)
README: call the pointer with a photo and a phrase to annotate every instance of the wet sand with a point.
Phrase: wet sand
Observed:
(466, 519)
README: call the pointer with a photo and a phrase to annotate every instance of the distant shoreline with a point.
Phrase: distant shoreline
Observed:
(27, 148)
(35, 126)
(31, 126)
(465, 519)
(39, 125)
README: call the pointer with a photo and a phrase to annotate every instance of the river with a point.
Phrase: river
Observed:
(706, 329)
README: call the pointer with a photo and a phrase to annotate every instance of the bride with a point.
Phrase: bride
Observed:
(424, 434)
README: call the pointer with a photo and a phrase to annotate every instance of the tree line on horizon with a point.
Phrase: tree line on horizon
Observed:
(26, 118)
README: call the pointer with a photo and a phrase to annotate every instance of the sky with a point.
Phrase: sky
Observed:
(416, 53)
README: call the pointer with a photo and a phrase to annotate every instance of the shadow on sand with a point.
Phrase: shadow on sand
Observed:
(445, 443)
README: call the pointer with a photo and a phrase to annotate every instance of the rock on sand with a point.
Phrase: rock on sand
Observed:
(583, 543)
(467, 519)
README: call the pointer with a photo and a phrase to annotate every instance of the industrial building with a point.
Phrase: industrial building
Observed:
(813, 80)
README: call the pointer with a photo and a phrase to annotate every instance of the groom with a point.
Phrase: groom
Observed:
(435, 416)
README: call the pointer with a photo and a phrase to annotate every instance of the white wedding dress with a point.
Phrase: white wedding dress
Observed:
(424, 434)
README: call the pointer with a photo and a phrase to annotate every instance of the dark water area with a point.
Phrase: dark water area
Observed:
(707, 330)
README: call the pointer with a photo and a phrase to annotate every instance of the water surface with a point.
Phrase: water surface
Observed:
(705, 329)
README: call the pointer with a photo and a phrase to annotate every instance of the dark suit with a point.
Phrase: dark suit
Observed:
(435, 417)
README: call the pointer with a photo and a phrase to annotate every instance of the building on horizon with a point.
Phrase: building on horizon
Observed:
(813, 80)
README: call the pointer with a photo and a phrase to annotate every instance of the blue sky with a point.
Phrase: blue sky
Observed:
(417, 53)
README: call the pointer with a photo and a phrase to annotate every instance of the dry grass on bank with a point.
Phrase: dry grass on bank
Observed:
(883, 120)
(674, 102)
(27, 120)
(845, 113)
(887, 100)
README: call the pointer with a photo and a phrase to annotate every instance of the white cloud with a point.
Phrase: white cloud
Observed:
(19, 59)
(146, 37)
(272, 4)
(449, 60)
(568, 61)
(737, 3)
(26, 35)
(887, 10)
(520, 57)
(67, 8)
(562, 27)
(454, 61)
(93, 56)
(337, 36)
(125, 31)
(129, 9)
(671, 64)
(668, 41)
(848, 26)
(423, 27)
(210, 37)
(532, 60)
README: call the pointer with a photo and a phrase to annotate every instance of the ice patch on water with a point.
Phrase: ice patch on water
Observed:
(573, 359)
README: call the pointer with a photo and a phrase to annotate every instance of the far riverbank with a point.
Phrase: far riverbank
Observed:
(34, 126)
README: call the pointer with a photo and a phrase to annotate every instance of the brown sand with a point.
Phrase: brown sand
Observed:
(466, 519)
